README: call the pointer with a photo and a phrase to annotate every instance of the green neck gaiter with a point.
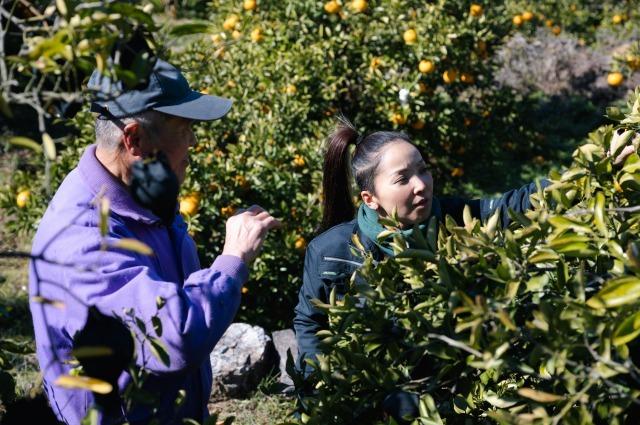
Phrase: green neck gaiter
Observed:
(369, 225)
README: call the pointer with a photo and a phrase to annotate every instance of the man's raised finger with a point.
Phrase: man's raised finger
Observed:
(256, 209)
(272, 223)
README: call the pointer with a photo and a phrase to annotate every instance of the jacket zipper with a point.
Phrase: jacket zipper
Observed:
(342, 260)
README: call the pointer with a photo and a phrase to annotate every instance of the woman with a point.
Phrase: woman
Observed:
(390, 173)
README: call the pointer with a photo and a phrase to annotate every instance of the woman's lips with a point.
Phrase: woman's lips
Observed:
(422, 203)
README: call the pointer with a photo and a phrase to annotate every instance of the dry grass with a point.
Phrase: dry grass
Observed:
(260, 409)
(15, 319)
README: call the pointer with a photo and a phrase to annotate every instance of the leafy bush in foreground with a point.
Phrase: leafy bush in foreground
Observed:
(534, 324)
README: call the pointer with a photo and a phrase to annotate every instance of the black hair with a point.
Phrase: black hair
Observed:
(337, 204)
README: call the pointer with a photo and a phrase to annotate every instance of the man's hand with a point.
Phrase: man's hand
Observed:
(246, 232)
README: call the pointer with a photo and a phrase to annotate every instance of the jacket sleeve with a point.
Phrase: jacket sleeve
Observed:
(516, 199)
(454, 207)
(308, 320)
(194, 315)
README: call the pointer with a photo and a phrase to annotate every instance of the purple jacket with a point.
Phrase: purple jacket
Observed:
(200, 302)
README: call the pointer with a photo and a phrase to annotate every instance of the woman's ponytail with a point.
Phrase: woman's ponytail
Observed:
(337, 204)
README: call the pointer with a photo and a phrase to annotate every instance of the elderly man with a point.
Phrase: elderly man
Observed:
(179, 310)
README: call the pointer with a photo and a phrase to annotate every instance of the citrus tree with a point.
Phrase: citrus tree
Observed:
(426, 69)
(292, 70)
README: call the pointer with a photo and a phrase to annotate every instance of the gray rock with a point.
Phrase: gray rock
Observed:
(285, 340)
(242, 358)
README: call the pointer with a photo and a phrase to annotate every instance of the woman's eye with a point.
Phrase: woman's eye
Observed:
(401, 180)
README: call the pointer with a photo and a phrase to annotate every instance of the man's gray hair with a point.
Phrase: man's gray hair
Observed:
(109, 132)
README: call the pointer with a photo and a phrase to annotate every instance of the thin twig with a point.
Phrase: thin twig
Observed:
(633, 209)
(455, 343)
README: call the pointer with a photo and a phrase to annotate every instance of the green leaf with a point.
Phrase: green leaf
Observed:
(539, 396)
(92, 417)
(49, 146)
(536, 283)
(460, 405)
(190, 28)
(619, 140)
(89, 352)
(132, 12)
(160, 302)
(62, 7)
(543, 256)
(83, 383)
(467, 219)
(628, 330)
(141, 326)
(492, 224)
(572, 245)
(432, 234)
(372, 346)
(502, 403)
(599, 214)
(105, 207)
(157, 325)
(630, 181)
(419, 240)
(563, 223)
(385, 234)
(47, 301)
(132, 245)
(614, 113)
(519, 217)
(25, 142)
(574, 174)
(159, 350)
(5, 109)
(506, 320)
(633, 255)
(416, 253)
(617, 292)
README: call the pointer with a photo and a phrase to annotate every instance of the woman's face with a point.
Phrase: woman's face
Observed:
(403, 182)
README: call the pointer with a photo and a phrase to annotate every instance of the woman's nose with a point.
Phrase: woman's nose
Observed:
(422, 183)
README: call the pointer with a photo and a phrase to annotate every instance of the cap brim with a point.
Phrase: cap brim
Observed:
(198, 106)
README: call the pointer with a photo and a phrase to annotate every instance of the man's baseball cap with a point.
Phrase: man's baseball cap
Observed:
(166, 91)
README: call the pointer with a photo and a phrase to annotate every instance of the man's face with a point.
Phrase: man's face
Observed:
(174, 137)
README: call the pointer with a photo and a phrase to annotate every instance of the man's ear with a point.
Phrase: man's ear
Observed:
(132, 139)
(369, 199)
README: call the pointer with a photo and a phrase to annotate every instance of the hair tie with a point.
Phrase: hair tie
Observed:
(359, 139)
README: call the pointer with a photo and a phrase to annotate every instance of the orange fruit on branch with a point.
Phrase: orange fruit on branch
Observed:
(22, 198)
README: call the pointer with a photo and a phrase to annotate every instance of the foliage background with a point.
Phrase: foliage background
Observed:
(292, 68)
(307, 66)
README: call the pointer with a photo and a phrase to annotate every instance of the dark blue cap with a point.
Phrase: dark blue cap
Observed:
(167, 91)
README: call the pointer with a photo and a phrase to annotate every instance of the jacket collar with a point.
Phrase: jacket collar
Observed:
(367, 243)
(101, 181)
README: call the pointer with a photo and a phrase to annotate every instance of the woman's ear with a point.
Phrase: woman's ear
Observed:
(369, 199)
